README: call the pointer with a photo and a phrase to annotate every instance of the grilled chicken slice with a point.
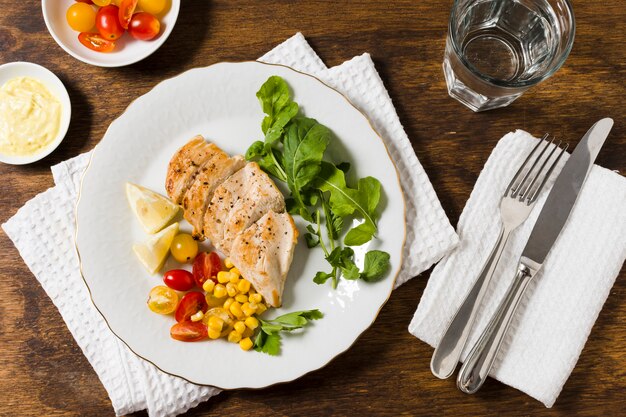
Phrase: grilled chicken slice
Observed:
(184, 166)
(263, 254)
(240, 201)
(213, 173)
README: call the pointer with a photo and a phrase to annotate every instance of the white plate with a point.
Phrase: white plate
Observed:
(219, 102)
(56, 87)
(127, 49)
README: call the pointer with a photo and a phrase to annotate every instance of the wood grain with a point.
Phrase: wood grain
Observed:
(42, 370)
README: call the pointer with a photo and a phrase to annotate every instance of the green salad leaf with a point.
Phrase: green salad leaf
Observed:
(268, 338)
(293, 151)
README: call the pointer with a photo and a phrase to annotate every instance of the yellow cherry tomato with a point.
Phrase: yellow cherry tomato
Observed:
(152, 6)
(184, 248)
(81, 17)
(162, 300)
(101, 3)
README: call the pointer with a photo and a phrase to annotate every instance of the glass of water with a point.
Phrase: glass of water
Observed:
(497, 49)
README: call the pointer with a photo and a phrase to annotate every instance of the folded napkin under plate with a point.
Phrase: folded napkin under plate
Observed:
(562, 302)
(46, 225)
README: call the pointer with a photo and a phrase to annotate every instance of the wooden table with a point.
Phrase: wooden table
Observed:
(43, 372)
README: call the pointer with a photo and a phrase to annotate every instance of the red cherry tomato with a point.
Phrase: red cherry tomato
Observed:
(96, 42)
(108, 23)
(127, 8)
(144, 26)
(189, 331)
(179, 279)
(189, 305)
(206, 266)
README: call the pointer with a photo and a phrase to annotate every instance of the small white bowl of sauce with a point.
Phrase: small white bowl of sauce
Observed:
(35, 112)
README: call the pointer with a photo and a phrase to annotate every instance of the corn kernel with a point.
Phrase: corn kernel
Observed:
(228, 302)
(240, 327)
(208, 285)
(231, 289)
(214, 334)
(247, 309)
(261, 308)
(245, 344)
(235, 271)
(235, 308)
(234, 278)
(223, 277)
(212, 301)
(242, 298)
(228, 263)
(215, 323)
(256, 298)
(243, 286)
(247, 332)
(234, 337)
(219, 291)
(251, 323)
(198, 316)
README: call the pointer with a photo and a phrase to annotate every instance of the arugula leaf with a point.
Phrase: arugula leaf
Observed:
(345, 201)
(268, 338)
(321, 277)
(360, 234)
(303, 149)
(376, 265)
(277, 105)
(266, 159)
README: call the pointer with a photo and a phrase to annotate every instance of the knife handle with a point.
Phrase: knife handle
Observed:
(448, 351)
(482, 356)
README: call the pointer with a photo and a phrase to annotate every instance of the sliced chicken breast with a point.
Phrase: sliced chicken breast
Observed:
(213, 173)
(263, 254)
(184, 166)
(240, 201)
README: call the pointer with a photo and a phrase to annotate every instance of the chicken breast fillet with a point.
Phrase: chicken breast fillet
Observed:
(213, 173)
(184, 166)
(238, 202)
(263, 254)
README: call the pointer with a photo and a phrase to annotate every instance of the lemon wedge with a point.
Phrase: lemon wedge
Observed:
(153, 210)
(153, 252)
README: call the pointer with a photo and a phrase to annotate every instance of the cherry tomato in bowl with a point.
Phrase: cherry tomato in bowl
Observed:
(189, 331)
(179, 280)
(190, 304)
(206, 266)
(95, 42)
(108, 23)
(127, 8)
(144, 26)
(81, 17)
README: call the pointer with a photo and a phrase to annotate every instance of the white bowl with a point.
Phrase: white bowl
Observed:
(127, 49)
(56, 87)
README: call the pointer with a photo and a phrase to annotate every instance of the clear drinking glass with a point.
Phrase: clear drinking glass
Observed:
(497, 49)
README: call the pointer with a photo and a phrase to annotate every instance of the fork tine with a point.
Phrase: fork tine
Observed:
(521, 168)
(516, 191)
(524, 194)
(545, 178)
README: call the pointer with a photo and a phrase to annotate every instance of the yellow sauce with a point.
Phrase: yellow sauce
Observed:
(30, 116)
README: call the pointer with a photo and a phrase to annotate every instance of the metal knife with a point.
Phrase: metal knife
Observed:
(546, 230)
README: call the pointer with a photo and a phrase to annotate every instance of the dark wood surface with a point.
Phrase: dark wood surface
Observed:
(42, 370)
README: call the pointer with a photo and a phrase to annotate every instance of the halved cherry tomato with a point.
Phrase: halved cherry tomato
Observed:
(206, 266)
(189, 331)
(144, 26)
(190, 304)
(127, 8)
(162, 300)
(95, 42)
(108, 23)
(179, 279)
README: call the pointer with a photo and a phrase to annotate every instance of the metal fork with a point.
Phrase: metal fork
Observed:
(515, 206)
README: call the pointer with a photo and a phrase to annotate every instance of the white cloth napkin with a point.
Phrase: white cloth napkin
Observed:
(562, 302)
(46, 225)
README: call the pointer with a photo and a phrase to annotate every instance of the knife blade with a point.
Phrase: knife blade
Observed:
(564, 194)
